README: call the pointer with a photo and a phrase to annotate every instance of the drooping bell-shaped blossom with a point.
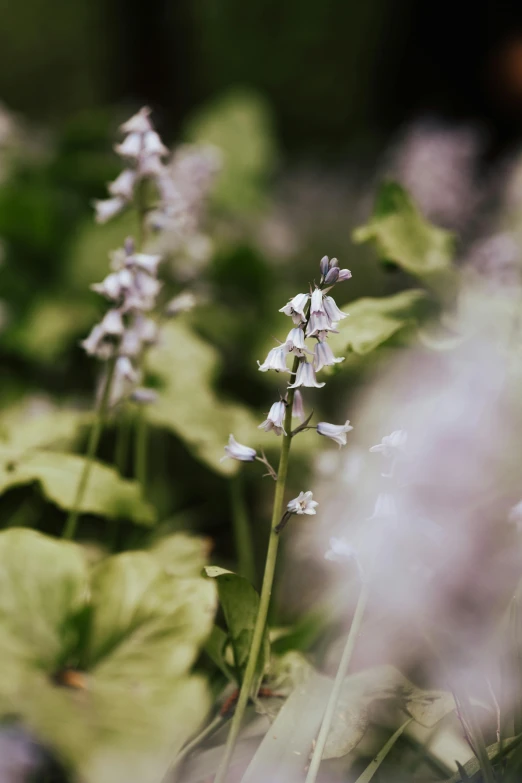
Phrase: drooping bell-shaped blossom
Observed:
(238, 451)
(385, 508)
(181, 303)
(305, 376)
(276, 359)
(303, 504)
(275, 419)
(344, 274)
(336, 432)
(323, 356)
(298, 411)
(295, 341)
(319, 322)
(108, 208)
(296, 308)
(331, 309)
(316, 304)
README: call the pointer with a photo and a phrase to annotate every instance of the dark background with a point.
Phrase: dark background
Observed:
(337, 73)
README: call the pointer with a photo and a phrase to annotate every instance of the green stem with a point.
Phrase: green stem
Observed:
(477, 737)
(212, 727)
(339, 679)
(122, 444)
(266, 592)
(242, 532)
(140, 449)
(92, 447)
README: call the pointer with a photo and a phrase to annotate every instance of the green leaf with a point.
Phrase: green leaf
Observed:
(240, 125)
(374, 765)
(472, 767)
(402, 235)
(216, 647)
(188, 405)
(240, 604)
(181, 554)
(58, 475)
(43, 585)
(373, 321)
(36, 423)
(142, 630)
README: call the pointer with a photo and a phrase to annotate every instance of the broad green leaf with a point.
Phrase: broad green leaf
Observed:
(139, 610)
(58, 475)
(239, 124)
(43, 586)
(375, 763)
(373, 321)
(181, 554)
(187, 404)
(284, 751)
(138, 703)
(36, 423)
(402, 235)
(240, 604)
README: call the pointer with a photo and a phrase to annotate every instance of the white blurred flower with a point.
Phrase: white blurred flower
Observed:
(238, 451)
(391, 445)
(108, 208)
(336, 432)
(303, 504)
(275, 419)
(181, 303)
(305, 376)
(340, 551)
(385, 507)
(123, 185)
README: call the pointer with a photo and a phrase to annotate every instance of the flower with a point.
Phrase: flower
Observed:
(138, 123)
(316, 305)
(305, 376)
(319, 322)
(324, 264)
(340, 550)
(144, 396)
(336, 432)
(323, 356)
(181, 303)
(332, 311)
(332, 276)
(123, 185)
(303, 504)
(112, 323)
(296, 341)
(391, 445)
(235, 450)
(385, 507)
(344, 274)
(298, 410)
(108, 208)
(296, 307)
(275, 419)
(276, 359)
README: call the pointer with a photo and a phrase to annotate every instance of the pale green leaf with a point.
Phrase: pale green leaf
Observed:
(402, 235)
(240, 604)
(240, 126)
(35, 422)
(58, 475)
(43, 586)
(181, 554)
(187, 404)
(139, 611)
(373, 321)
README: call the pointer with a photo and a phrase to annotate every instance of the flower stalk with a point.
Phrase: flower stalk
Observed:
(92, 447)
(266, 591)
(342, 671)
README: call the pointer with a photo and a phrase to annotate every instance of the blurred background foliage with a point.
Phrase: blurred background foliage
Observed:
(303, 100)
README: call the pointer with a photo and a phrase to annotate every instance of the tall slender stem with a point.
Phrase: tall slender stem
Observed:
(121, 451)
(140, 448)
(339, 679)
(242, 532)
(92, 446)
(266, 592)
